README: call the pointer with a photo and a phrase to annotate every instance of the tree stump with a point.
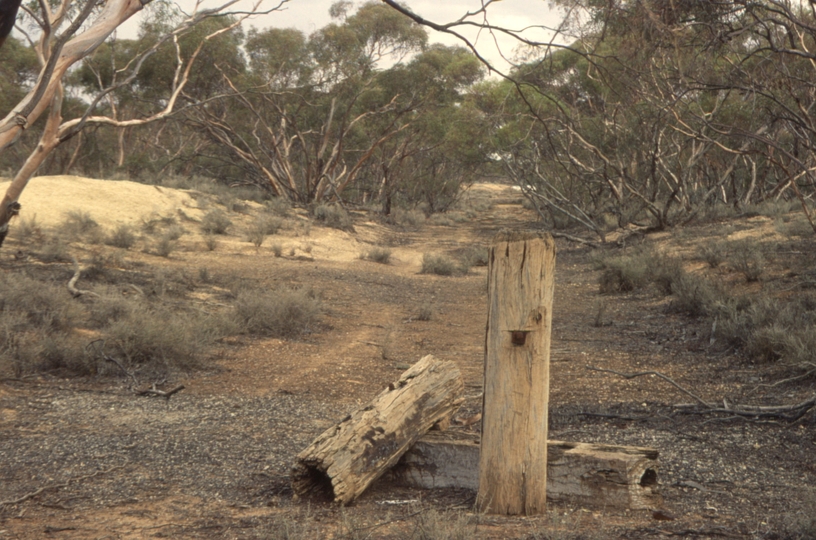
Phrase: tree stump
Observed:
(584, 474)
(343, 461)
(513, 462)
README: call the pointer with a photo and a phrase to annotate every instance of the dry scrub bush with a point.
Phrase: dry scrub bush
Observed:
(122, 237)
(280, 313)
(54, 250)
(426, 313)
(78, 223)
(262, 226)
(210, 242)
(410, 219)
(441, 265)
(475, 256)
(215, 222)
(334, 216)
(749, 260)
(165, 246)
(42, 305)
(624, 273)
(714, 254)
(771, 329)
(435, 525)
(158, 338)
(378, 255)
(28, 230)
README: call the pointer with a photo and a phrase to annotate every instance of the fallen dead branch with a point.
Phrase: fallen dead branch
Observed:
(72, 282)
(790, 413)
(33, 494)
(166, 394)
(101, 351)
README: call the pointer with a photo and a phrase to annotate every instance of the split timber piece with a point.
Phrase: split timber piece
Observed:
(583, 474)
(343, 461)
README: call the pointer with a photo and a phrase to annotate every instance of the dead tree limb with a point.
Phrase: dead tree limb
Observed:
(790, 413)
(27, 496)
(153, 391)
(657, 374)
(76, 293)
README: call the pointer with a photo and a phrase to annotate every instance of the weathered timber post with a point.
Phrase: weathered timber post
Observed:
(513, 460)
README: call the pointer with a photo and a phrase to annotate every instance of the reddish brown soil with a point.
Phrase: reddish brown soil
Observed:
(93, 460)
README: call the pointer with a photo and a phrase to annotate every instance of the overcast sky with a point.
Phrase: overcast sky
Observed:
(310, 15)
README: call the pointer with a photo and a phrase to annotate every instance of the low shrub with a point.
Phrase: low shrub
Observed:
(413, 218)
(54, 250)
(624, 273)
(40, 305)
(28, 230)
(475, 256)
(749, 260)
(440, 265)
(215, 222)
(210, 242)
(159, 339)
(78, 223)
(714, 254)
(378, 255)
(165, 246)
(334, 216)
(426, 313)
(696, 296)
(122, 237)
(280, 313)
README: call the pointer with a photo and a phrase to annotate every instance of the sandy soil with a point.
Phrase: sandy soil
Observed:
(88, 458)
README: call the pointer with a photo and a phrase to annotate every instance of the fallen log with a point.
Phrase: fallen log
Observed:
(584, 474)
(343, 461)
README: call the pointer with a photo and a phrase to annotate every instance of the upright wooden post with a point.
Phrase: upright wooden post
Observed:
(513, 460)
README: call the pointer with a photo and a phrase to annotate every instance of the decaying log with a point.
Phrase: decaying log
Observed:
(343, 461)
(589, 475)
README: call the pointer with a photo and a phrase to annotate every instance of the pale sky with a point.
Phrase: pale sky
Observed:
(310, 15)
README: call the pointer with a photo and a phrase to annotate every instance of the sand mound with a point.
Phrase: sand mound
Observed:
(109, 202)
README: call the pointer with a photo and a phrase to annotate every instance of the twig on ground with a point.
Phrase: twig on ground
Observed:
(112, 360)
(790, 413)
(572, 238)
(57, 486)
(657, 374)
(160, 393)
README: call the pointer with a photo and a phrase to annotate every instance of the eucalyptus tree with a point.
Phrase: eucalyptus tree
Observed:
(61, 35)
(658, 108)
(310, 114)
(443, 145)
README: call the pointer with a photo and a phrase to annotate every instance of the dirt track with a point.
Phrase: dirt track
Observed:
(212, 462)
